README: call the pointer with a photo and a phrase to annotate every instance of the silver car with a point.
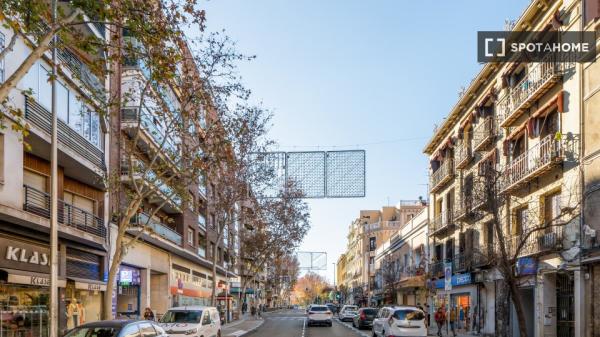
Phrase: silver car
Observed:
(348, 312)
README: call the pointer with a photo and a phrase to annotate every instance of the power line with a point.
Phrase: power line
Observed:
(355, 144)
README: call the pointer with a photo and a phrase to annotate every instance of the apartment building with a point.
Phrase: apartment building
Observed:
(340, 271)
(171, 263)
(25, 185)
(366, 233)
(523, 119)
(401, 264)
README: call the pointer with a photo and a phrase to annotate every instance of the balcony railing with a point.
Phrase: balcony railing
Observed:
(42, 118)
(162, 230)
(81, 71)
(146, 123)
(460, 262)
(442, 175)
(463, 206)
(150, 177)
(546, 240)
(532, 163)
(538, 80)
(484, 133)
(441, 222)
(463, 153)
(436, 269)
(38, 202)
(483, 255)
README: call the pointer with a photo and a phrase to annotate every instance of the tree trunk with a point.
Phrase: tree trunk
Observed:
(213, 295)
(112, 278)
(517, 302)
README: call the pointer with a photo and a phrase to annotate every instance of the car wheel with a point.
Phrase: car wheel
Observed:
(330, 324)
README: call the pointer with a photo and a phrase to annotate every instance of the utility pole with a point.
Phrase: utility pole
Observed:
(53, 312)
(334, 273)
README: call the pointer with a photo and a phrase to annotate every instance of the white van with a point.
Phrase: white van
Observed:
(192, 321)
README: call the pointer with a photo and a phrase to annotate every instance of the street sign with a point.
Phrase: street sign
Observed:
(448, 276)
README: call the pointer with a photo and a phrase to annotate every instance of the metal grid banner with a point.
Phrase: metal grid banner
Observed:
(319, 174)
(312, 261)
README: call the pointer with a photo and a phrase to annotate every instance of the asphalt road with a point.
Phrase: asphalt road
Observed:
(291, 323)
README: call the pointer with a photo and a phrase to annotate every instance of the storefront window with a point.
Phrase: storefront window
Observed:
(23, 311)
(128, 292)
(82, 306)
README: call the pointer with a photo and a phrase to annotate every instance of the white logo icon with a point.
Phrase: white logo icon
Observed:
(502, 51)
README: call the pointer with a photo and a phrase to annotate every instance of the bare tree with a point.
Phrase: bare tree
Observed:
(522, 227)
(391, 272)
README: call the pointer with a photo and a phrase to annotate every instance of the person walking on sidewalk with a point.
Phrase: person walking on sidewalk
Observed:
(253, 311)
(440, 319)
(453, 321)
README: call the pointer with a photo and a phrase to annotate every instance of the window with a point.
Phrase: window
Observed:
(521, 219)
(190, 237)
(591, 10)
(130, 331)
(78, 201)
(372, 245)
(552, 208)
(206, 319)
(181, 316)
(62, 102)
(371, 260)
(35, 180)
(45, 88)
(2, 61)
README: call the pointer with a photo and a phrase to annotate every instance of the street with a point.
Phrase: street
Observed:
(291, 323)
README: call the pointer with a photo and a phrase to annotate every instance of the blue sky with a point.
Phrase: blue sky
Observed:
(340, 72)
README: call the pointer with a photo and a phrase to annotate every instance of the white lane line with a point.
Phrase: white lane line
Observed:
(349, 326)
(303, 327)
(239, 333)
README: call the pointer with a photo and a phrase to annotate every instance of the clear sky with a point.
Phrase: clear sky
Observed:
(341, 72)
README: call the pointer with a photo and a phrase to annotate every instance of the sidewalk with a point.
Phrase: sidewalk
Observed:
(433, 332)
(241, 327)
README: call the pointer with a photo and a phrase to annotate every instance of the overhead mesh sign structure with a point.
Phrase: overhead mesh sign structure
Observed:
(321, 174)
(312, 261)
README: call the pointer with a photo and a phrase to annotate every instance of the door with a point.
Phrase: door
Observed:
(206, 328)
(565, 320)
(216, 322)
(378, 322)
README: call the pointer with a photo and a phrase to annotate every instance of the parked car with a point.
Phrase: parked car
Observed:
(332, 307)
(319, 314)
(192, 320)
(117, 328)
(399, 321)
(347, 313)
(364, 318)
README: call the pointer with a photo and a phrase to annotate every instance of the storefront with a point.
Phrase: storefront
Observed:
(462, 298)
(128, 292)
(24, 288)
(190, 284)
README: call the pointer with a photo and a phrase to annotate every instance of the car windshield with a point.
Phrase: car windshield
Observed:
(173, 316)
(319, 309)
(351, 308)
(92, 332)
(370, 311)
(409, 314)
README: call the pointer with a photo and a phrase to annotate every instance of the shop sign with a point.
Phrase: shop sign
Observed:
(24, 256)
(128, 276)
(33, 280)
(448, 276)
(526, 266)
(455, 280)
(90, 286)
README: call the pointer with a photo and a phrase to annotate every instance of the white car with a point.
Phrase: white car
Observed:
(399, 321)
(192, 321)
(348, 313)
(319, 314)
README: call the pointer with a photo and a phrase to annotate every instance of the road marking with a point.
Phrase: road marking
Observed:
(239, 333)
(349, 326)
(303, 326)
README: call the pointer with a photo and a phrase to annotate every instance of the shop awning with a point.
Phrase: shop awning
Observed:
(30, 278)
(86, 284)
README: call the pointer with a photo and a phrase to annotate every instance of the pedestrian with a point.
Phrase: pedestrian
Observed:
(440, 319)
(453, 321)
(253, 310)
(244, 308)
(148, 314)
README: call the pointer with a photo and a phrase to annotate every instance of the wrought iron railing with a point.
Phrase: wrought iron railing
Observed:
(537, 77)
(549, 150)
(442, 221)
(483, 133)
(38, 202)
(544, 240)
(436, 269)
(463, 153)
(459, 262)
(442, 174)
(162, 230)
(483, 255)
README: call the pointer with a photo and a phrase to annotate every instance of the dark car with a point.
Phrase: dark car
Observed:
(117, 328)
(332, 307)
(364, 318)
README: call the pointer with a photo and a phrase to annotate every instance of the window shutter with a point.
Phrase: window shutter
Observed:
(591, 10)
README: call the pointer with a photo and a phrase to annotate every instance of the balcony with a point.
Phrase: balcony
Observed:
(463, 154)
(543, 241)
(436, 269)
(67, 137)
(539, 159)
(463, 207)
(38, 202)
(483, 256)
(539, 79)
(157, 227)
(460, 262)
(483, 134)
(442, 223)
(152, 137)
(442, 175)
